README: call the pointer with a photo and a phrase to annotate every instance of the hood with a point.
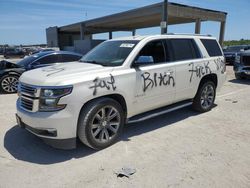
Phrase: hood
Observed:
(230, 53)
(245, 53)
(64, 74)
(7, 65)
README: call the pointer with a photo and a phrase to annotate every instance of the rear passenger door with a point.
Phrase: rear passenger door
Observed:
(187, 57)
(155, 82)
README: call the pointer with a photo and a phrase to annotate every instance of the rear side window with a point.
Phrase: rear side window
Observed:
(49, 59)
(212, 47)
(68, 58)
(184, 49)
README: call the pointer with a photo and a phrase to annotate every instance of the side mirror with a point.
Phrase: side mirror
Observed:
(144, 60)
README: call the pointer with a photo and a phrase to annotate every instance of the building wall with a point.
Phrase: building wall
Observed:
(52, 37)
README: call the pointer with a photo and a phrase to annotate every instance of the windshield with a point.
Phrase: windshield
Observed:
(234, 48)
(26, 61)
(110, 53)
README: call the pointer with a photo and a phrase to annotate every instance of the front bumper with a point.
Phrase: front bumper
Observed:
(242, 70)
(58, 129)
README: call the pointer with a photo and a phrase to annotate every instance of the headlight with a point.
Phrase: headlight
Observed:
(50, 97)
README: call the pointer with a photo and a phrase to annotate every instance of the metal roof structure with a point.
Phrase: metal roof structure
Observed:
(144, 17)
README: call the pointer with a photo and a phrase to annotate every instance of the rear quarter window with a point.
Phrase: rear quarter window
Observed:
(212, 47)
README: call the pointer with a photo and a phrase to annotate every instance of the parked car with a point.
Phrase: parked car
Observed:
(231, 51)
(119, 81)
(10, 72)
(13, 53)
(41, 50)
(242, 65)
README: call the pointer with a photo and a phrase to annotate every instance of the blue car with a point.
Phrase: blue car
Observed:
(10, 72)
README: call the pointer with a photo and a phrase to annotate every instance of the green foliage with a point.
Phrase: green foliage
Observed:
(236, 42)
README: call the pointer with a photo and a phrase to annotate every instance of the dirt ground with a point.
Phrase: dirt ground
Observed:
(179, 149)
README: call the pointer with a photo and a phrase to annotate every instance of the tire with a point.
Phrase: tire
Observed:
(8, 83)
(205, 96)
(95, 128)
(238, 76)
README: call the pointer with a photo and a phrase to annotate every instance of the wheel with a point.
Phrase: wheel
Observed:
(100, 123)
(204, 99)
(8, 83)
(238, 76)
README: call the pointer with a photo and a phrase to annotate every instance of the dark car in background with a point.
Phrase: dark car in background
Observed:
(242, 65)
(13, 53)
(10, 72)
(231, 51)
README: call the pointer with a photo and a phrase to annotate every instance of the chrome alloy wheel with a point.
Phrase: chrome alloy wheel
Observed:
(9, 84)
(105, 124)
(207, 97)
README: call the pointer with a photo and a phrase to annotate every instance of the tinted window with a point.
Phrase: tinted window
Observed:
(69, 58)
(48, 59)
(212, 47)
(154, 49)
(184, 49)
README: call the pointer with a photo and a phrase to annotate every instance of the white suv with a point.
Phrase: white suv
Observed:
(122, 80)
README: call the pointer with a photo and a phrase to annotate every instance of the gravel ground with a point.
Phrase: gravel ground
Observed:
(179, 149)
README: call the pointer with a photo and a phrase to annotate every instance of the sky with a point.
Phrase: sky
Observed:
(25, 21)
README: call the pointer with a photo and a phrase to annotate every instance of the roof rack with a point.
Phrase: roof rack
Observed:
(205, 35)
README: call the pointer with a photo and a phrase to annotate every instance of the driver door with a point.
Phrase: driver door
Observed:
(155, 81)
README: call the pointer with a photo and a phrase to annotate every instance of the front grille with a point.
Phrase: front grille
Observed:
(246, 60)
(28, 97)
(27, 104)
(26, 89)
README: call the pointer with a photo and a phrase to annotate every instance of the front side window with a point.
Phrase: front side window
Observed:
(110, 53)
(154, 49)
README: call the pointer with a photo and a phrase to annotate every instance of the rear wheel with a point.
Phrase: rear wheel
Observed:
(100, 123)
(204, 99)
(8, 83)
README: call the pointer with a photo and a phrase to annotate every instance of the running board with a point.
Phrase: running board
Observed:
(158, 112)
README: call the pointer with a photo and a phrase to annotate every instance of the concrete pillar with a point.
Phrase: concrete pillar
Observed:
(82, 29)
(198, 26)
(222, 32)
(110, 35)
(133, 32)
(164, 22)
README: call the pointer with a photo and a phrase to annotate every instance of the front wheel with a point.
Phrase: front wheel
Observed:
(204, 99)
(100, 123)
(238, 76)
(8, 83)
